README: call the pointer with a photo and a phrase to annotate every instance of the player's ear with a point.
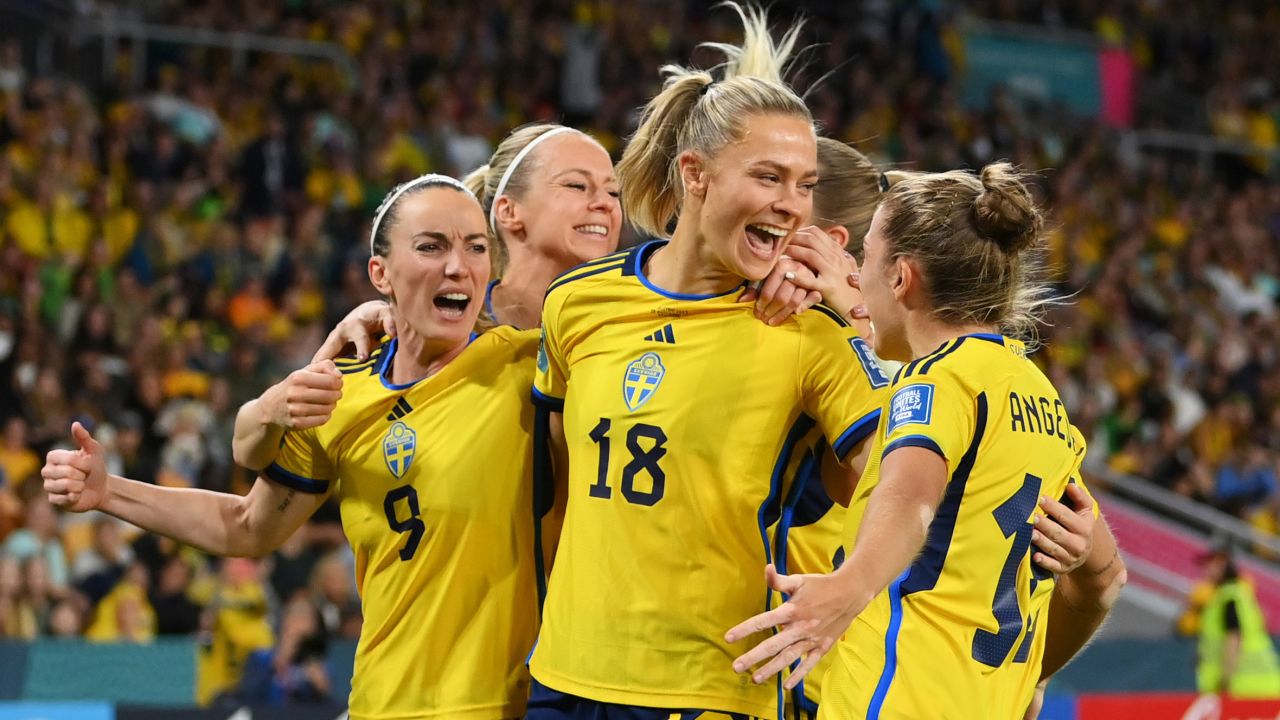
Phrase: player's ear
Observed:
(378, 275)
(693, 173)
(903, 277)
(840, 234)
(506, 215)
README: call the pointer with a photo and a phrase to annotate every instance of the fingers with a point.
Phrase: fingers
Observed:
(1063, 515)
(811, 659)
(788, 584)
(855, 280)
(859, 312)
(763, 621)
(1080, 497)
(793, 303)
(363, 343)
(767, 648)
(782, 661)
(1050, 555)
(332, 347)
(767, 294)
(749, 295)
(388, 321)
(82, 436)
(815, 260)
(813, 298)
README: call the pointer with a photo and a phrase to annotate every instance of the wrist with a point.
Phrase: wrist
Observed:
(269, 409)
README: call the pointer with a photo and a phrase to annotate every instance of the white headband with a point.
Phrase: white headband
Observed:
(428, 179)
(506, 176)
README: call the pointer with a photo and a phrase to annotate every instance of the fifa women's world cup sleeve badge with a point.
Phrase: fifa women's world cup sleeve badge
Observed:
(398, 447)
(641, 380)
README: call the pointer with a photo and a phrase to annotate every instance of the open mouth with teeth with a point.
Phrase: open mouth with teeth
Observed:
(764, 239)
(453, 305)
(596, 231)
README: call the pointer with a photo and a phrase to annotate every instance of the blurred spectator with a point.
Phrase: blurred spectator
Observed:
(176, 612)
(18, 462)
(238, 625)
(171, 248)
(39, 538)
(294, 672)
(125, 614)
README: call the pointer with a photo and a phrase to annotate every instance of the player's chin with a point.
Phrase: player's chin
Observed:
(447, 325)
(587, 247)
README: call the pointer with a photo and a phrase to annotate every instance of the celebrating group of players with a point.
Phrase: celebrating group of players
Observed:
(687, 494)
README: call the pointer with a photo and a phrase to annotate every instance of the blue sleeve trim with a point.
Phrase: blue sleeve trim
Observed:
(920, 441)
(554, 404)
(311, 486)
(856, 433)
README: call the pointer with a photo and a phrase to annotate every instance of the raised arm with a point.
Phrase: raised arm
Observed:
(304, 399)
(219, 523)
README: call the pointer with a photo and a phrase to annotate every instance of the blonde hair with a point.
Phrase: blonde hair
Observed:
(696, 112)
(484, 180)
(848, 191)
(979, 241)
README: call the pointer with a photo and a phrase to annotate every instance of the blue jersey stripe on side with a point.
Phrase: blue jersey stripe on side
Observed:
(890, 648)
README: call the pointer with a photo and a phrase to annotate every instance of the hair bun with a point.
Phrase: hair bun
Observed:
(1004, 212)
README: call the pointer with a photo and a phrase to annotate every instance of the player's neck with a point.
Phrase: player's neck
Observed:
(517, 299)
(417, 358)
(683, 266)
(925, 334)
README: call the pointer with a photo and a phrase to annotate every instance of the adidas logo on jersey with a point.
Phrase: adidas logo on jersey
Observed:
(664, 335)
(401, 409)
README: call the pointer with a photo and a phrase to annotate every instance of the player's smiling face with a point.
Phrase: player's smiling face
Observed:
(437, 267)
(759, 191)
(879, 277)
(570, 211)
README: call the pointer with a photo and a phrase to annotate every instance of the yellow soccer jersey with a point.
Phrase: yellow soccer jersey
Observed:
(682, 416)
(434, 481)
(960, 633)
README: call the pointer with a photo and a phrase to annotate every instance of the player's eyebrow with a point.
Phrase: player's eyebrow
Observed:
(782, 169)
(584, 172)
(444, 237)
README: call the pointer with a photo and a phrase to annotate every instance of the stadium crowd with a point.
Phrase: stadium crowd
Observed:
(169, 250)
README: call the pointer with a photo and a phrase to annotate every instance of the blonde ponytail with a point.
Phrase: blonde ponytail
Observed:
(696, 112)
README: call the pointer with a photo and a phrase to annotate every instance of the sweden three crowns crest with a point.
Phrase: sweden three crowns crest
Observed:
(641, 380)
(398, 447)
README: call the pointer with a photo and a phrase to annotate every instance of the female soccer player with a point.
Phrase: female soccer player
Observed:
(809, 539)
(950, 619)
(681, 411)
(428, 452)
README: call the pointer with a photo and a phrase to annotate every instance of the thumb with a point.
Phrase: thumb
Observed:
(388, 323)
(748, 295)
(782, 583)
(1082, 500)
(87, 443)
(328, 367)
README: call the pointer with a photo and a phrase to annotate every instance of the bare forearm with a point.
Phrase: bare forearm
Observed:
(1082, 600)
(210, 521)
(892, 533)
(257, 439)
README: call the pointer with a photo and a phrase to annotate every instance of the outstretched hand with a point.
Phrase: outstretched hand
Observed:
(358, 328)
(817, 612)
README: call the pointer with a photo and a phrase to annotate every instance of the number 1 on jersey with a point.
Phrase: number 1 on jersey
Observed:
(642, 458)
(992, 648)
